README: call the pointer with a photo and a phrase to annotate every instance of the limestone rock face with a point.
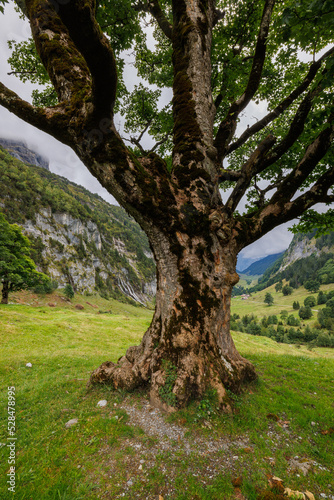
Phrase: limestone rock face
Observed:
(76, 236)
(299, 249)
(62, 236)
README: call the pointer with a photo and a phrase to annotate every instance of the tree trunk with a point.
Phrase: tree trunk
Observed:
(5, 292)
(188, 347)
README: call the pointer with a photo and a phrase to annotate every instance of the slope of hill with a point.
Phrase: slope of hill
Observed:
(306, 258)
(260, 266)
(77, 237)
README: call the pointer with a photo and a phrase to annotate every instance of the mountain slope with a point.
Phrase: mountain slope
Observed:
(260, 266)
(19, 150)
(77, 237)
(306, 258)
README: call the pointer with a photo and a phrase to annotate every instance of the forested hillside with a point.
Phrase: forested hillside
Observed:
(77, 237)
(260, 266)
(306, 258)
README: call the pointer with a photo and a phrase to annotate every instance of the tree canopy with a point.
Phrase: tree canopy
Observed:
(277, 54)
(17, 269)
(219, 58)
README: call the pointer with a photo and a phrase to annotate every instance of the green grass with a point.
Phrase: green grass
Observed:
(255, 304)
(96, 458)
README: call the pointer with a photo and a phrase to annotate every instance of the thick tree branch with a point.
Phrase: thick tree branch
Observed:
(282, 106)
(248, 170)
(79, 19)
(295, 130)
(66, 67)
(228, 126)
(154, 8)
(313, 154)
(50, 120)
(193, 109)
(281, 208)
(228, 175)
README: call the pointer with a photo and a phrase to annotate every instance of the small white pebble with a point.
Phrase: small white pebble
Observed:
(313, 424)
(140, 467)
(71, 422)
(102, 403)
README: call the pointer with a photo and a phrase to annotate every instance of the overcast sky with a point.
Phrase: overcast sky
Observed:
(63, 160)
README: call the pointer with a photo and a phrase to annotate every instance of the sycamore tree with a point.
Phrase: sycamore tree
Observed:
(218, 57)
(17, 269)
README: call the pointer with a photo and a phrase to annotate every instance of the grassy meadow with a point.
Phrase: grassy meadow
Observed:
(287, 413)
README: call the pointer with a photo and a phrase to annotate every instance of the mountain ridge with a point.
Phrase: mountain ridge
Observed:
(19, 150)
(259, 266)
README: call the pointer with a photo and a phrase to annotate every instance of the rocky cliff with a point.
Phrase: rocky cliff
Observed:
(301, 247)
(19, 150)
(76, 236)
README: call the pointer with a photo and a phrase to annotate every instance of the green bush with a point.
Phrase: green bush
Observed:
(47, 287)
(310, 301)
(293, 321)
(322, 298)
(68, 291)
(305, 312)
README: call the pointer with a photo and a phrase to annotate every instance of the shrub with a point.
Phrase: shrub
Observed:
(296, 305)
(312, 285)
(293, 321)
(322, 298)
(305, 312)
(310, 301)
(325, 340)
(47, 287)
(287, 290)
(68, 291)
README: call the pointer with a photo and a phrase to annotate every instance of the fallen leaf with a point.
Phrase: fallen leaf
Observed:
(297, 495)
(237, 482)
(276, 483)
(329, 431)
(272, 416)
(309, 495)
(238, 494)
(161, 498)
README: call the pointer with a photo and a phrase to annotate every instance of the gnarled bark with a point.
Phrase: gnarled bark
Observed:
(188, 347)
